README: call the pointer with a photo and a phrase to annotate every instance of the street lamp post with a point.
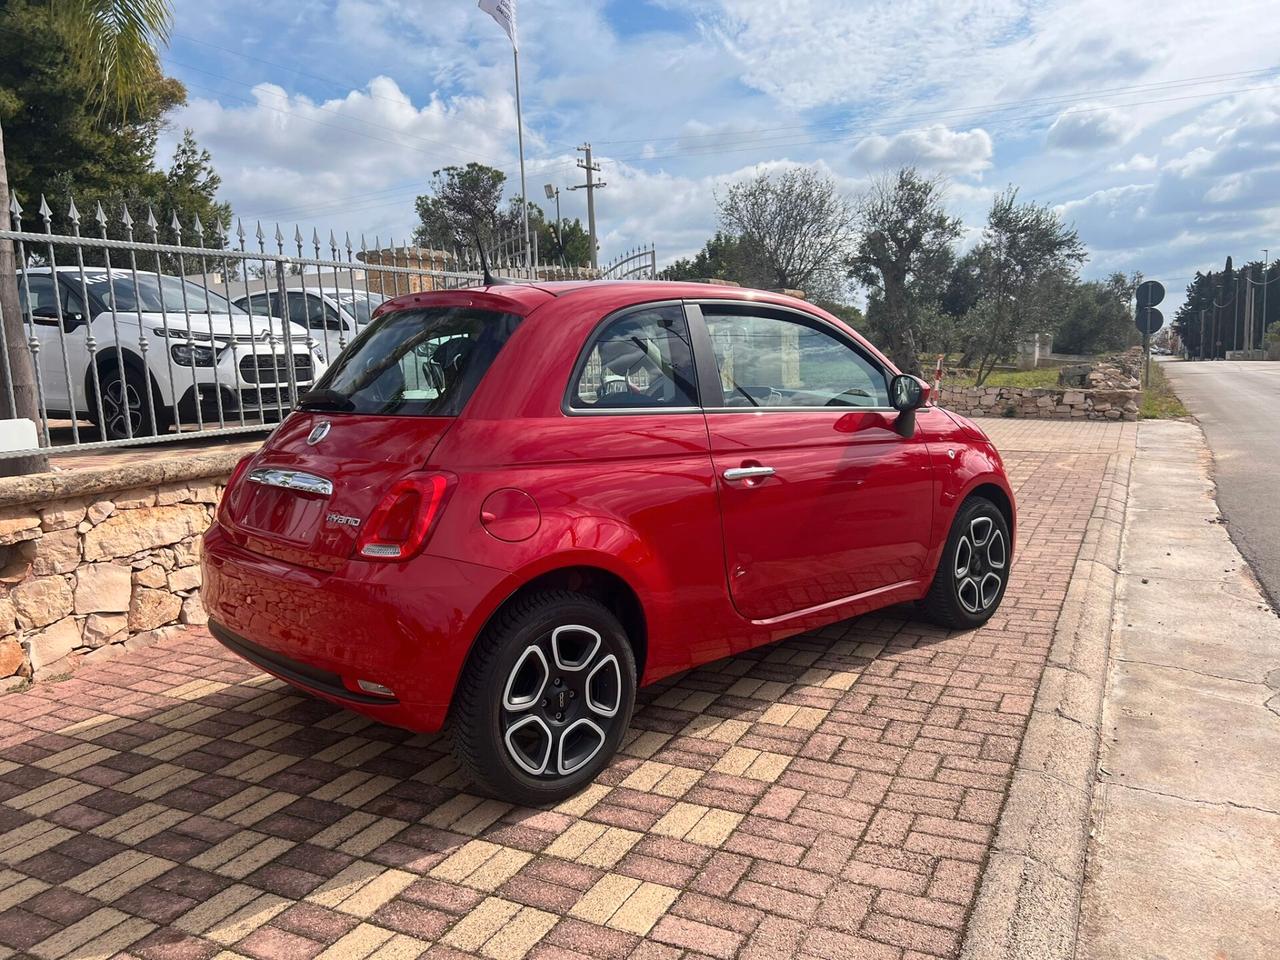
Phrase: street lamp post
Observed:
(553, 193)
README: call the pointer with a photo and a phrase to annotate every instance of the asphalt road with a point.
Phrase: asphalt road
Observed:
(1236, 404)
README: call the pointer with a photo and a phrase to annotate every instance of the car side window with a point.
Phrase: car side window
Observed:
(259, 305)
(638, 360)
(36, 292)
(771, 360)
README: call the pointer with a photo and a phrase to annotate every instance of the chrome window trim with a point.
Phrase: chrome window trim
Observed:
(631, 411)
(805, 409)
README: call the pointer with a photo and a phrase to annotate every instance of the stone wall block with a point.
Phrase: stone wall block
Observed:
(12, 657)
(185, 579)
(170, 494)
(134, 499)
(57, 552)
(18, 524)
(52, 644)
(205, 492)
(99, 511)
(130, 532)
(152, 576)
(104, 628)
(65, 513)
(103, 588)
(153, 608)
(193, 611)
(41, 601)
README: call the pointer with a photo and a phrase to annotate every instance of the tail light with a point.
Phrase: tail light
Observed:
(224, 503)
(400, 525)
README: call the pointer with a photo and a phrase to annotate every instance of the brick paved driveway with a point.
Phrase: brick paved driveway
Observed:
(829, 797)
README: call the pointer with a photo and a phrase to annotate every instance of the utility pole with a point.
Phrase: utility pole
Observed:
(1248, 317)
(1266, 262)
(1203, 332)
(1235, 313)
(590, 186)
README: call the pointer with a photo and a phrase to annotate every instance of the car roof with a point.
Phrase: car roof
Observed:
(120, 272)
(523, 297)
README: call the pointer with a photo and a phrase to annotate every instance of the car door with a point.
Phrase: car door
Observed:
(821, 499)
(61, 356)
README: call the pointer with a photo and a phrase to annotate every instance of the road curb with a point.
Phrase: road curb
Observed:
(1028, 902)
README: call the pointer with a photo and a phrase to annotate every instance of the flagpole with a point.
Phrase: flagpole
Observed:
(524, 194)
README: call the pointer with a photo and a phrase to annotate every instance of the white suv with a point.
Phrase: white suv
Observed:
(164, 350)
(334, 316)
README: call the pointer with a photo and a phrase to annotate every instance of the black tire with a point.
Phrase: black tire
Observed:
(121, 383)
(964, 594)
(500, 747)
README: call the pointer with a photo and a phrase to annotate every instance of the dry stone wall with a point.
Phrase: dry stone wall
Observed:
(1041, 403)
(96, 562)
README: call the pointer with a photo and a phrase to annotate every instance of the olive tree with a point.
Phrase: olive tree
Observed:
(793, 228)
(1028, 260)
(902, 257)
(462, 208)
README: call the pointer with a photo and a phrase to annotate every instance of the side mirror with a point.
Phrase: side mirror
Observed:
(907, 394)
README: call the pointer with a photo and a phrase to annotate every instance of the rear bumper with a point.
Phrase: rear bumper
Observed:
(405, 626)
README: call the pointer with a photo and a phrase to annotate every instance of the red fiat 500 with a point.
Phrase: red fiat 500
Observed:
(507, 507)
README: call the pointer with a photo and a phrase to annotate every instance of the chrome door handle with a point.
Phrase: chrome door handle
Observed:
(748, 473)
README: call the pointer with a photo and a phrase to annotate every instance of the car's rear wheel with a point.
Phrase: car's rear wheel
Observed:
(545, 698)
(974, 569)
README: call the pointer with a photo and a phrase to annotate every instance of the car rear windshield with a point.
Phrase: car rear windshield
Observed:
(423, 363)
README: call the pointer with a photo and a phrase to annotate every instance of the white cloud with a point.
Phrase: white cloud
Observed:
(1138, 163)
(936, 148)
(288, 157)
(1088, 127)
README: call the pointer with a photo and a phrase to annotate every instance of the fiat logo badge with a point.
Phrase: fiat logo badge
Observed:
(318, 432)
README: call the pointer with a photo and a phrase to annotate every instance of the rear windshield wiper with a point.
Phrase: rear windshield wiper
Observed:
(325, 400)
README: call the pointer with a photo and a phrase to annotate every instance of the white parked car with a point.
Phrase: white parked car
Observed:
(161, 347)
(333, 316)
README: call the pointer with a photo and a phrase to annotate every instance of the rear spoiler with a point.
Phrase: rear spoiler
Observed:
(516, 296)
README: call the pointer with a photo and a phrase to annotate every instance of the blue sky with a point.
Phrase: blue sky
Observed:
(1155, 127)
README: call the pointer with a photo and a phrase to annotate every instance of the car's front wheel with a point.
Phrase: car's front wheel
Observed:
(545, 698)
(974, 569)
(128, 408)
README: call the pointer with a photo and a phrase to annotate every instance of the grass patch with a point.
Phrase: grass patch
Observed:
(1159, 402)
(1039, 377)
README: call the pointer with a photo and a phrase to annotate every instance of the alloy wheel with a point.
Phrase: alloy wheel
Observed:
(559, 701)
(120, 399)
(980, 561)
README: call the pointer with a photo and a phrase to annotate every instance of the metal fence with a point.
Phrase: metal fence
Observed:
(134, 340)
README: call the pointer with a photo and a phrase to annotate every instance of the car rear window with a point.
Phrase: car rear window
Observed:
(424, 363)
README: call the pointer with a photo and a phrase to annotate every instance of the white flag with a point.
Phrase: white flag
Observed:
(504, 12)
